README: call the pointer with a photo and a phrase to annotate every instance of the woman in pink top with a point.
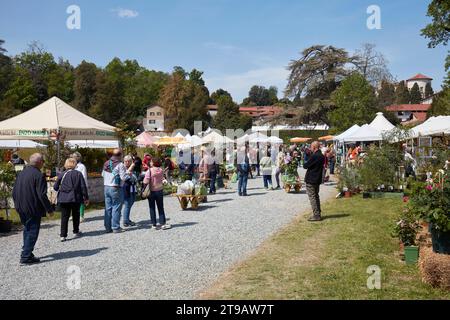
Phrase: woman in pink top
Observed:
(155, 177)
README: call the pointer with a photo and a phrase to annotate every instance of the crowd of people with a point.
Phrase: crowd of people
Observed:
(126, 176)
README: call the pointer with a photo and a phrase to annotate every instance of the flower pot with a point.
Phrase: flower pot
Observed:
(411, 254)
(347, 194)
(440, 241)
(5, 226)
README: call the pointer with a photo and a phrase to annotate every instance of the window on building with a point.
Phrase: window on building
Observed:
(158, 113)
(151, 121)
(152, 114)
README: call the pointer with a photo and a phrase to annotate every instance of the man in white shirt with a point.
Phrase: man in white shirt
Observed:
(114, 174)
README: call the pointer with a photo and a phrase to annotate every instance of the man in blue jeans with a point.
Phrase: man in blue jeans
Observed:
(31, 203)
(114, 175)
(243, 169)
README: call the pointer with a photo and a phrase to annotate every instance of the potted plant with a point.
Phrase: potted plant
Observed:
(348, 182)
(431, 202)
(7, 178)
(406, 230)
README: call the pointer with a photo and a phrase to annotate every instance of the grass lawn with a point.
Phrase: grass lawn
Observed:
(329, 259)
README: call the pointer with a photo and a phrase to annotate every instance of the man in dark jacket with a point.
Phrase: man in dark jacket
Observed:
(31, 202)
(313, 179)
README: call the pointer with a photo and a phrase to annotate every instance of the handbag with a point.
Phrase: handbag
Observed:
(55, 200)
(145, 193)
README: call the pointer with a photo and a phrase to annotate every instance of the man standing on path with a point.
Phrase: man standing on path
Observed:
(313, 179)
(114, 175)
(31, 202)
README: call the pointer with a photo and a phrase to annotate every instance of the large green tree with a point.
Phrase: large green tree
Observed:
(428, 90)
(415, 95)
(61, 81)
(441, 104)
(438, 31)
(355, 103)
(312, 80)
(386, 94)
(260, 96)
(85, 85)
(402, 95)
(228, 116)
(218, 93)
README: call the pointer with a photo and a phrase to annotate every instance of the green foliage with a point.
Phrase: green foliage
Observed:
(85, 85)
(261, 96)
(50, 153)
(228, 116)
(441, 104)
(93, 159)
(386, 94)
(406, 228)
(431, 201)
(349, 179)
(355, 103)
(438, 31)
(402, 95)
(126, 138)
(428, 90)
(216, 94)
(415, 95)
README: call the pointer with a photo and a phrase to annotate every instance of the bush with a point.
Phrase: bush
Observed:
(349, 178)
(406, 228)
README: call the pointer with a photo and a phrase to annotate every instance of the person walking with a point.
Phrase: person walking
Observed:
(243, 169)
(266, 165)
(212, 168)
(313, 179)
(72, 192)
(331, 160)
(114, 174)
(155, 177)
(81, 168)
(278, 165)
(31, 203)
(129, 191)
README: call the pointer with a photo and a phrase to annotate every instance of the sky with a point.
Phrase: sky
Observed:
(236, 43)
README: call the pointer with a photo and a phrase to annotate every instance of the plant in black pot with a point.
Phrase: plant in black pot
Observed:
(406, 230)
(431, 202)
(7, 178)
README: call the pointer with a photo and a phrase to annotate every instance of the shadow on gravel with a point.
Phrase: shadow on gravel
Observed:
(252, 194)
(96, 218)
(48, 226)
(71, 254)
(183, 224)
(221, 200)
(335, 216)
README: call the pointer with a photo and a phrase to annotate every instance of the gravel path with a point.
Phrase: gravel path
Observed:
(150, 264)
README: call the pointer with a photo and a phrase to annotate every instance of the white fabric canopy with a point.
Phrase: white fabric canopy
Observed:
(434, 125)
(346, 133)
(216, 138)
(93, 144)
(44, 121)
(20, 144)
(193, 141)
(381, 124)
(365, 133)
(275, 140)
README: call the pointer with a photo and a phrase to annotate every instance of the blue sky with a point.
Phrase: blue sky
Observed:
(237, 43)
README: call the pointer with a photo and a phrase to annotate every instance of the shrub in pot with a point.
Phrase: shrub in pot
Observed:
(431, 202)
(348, 182)
(406, 230)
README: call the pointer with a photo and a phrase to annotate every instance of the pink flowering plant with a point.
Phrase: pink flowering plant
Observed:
(430, 201)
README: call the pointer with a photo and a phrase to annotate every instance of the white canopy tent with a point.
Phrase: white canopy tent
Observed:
(346, 133)
(20, 144)
(433, 126)
(381, 124)
(55, 119)
(216, 138)
(363, 134)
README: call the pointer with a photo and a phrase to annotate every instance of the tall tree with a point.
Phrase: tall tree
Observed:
(371, 64)
(61, 81)
(85, 85)
(355, 103)
(314, 77)
(39, 64)
(386, 94)
(228, 116)
(415, 95)
(258, 96)
(6, 70)
(216, 94)
(172, 99)
(402, 95)
(441, 104)
(438, 31)
(273, 95)
(428, 90)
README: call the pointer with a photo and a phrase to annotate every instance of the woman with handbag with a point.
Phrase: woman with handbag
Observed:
(72, 192)
(154, 182)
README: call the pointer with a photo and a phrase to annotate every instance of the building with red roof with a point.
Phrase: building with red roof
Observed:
(408, 113)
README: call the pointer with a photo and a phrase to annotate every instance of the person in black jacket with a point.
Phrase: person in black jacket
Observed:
(72, 192)
(31, 203)
(313, 179)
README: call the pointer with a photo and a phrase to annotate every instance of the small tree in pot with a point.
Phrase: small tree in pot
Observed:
(406, 230)
(7, 179)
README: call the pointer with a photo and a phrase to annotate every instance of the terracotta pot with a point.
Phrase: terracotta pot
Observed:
(347, 194)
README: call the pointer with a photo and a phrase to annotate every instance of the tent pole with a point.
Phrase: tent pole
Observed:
(58, 151)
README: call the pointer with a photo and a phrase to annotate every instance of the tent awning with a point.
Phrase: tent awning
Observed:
(44, 121)
(433, 126)
(363, 134)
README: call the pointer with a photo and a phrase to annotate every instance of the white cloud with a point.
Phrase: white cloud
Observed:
(239, 84)
(125, 13)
